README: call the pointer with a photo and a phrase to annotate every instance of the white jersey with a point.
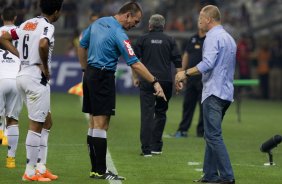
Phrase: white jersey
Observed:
(29, 34)
(8, 28)
(9, 65)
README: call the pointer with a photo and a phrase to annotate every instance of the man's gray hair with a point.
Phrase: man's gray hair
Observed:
(157, 21)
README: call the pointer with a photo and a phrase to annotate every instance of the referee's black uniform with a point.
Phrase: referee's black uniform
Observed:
(156, 51)
(193, 91)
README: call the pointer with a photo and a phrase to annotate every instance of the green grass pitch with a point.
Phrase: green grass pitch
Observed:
(68, 156)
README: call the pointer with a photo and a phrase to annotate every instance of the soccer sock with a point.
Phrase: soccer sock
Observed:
(32, 147)
(42, 157)
(100, 147)
(91, 150)
(13, 138)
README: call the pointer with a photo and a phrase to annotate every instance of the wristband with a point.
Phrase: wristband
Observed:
(186, 73)
(155, 81)
(83, 70)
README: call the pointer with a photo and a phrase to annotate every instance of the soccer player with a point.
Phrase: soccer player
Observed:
(102, 44)
(8, 17)
(35, 44)
(10, 102)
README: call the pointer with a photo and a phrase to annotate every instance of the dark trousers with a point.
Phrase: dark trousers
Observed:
(217, 165)
(192, 95)
(264, 85)
(153, 116)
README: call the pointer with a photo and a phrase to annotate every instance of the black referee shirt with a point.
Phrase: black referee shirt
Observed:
(194, 49)
(157, 51)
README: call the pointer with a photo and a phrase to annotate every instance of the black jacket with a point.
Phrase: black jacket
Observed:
(157, 51)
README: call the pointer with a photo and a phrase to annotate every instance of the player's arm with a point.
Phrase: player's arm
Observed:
(43, 53)
(6, 42)
(83, 47)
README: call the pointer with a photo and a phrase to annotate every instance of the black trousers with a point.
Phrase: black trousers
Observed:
(153, 116)
(192, 95)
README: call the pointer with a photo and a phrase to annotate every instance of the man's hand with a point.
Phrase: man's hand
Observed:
(180, 76)
(136, 82)
(46, 73)
(159, 91)
(178, 86)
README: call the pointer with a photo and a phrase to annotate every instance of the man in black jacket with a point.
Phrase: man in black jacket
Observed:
(156, 51)
(193, 91)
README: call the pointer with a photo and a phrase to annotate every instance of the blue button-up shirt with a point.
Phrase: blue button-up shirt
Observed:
(218, 64)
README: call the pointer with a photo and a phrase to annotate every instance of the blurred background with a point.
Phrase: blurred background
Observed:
(255, 25)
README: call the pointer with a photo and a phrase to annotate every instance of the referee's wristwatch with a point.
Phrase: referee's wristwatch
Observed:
(155, 81)
(187, 74)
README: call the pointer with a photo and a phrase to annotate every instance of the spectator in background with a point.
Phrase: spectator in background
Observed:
(70, 14)
(74, 42)
(243, 57)
(176, 24)
(263, 69)
(97, 6)
(21, 10)
(157, 52)
(193, 91)
(275, 77)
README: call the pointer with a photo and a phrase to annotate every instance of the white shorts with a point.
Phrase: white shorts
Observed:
(36, 97)
(10, 99)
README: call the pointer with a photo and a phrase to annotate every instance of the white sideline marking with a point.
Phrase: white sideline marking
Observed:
(110, 162)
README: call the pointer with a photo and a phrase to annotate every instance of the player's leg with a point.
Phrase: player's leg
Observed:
(13, 108)
(2, 108)
(99, 85)
(37, 112)
(13, 138)
(43, 152)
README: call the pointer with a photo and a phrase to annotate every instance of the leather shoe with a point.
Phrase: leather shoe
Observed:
(228, 182)
(203, 180)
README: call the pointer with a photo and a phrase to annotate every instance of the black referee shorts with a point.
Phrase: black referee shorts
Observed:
(99, 93)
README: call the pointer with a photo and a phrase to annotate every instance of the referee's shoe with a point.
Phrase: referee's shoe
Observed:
(107, 176)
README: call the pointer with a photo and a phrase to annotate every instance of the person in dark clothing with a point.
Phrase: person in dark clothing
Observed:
(193, 91)
(156, 51)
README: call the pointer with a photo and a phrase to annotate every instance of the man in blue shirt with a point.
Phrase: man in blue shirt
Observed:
(217, 68)
(103, 42)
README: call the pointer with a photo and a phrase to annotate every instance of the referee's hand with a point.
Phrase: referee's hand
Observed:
(159, 91)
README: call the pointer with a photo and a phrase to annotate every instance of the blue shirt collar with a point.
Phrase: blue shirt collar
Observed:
(214, 29)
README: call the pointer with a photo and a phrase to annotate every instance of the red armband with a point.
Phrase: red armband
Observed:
(14, 34)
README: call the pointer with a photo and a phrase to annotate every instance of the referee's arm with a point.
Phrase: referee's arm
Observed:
(142, 71)
(82, 57)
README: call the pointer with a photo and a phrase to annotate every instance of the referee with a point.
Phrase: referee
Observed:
(103, 42)
(157, 52)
